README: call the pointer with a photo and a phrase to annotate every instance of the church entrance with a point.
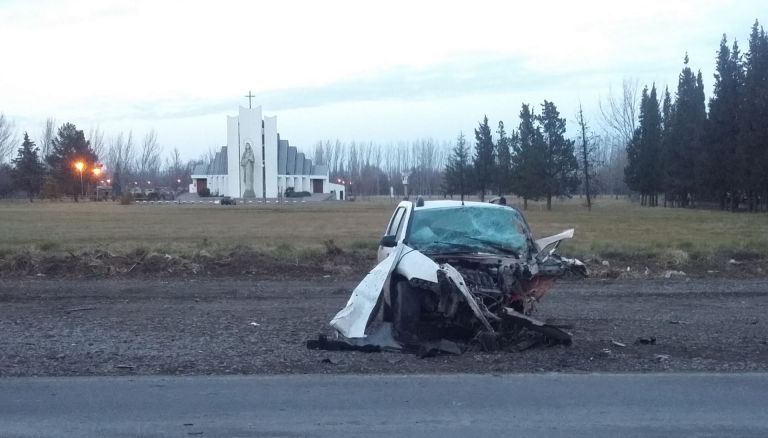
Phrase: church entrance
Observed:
(202, 184)
(317, 186)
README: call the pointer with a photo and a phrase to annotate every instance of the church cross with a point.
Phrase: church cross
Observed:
(249, 96)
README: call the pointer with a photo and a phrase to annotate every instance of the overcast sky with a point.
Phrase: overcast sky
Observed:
(353, 70)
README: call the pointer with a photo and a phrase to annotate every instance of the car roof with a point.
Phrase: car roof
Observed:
(457, 204)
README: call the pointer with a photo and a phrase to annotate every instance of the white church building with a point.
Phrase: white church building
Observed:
(257, 163)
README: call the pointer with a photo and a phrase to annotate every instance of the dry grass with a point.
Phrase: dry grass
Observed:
(612, 229)
(62, 226)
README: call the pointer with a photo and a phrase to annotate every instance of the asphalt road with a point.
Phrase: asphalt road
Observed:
(529, 405)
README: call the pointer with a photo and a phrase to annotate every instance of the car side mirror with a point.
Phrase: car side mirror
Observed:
(388, 241)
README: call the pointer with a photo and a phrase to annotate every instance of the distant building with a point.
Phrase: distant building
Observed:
(257, 163)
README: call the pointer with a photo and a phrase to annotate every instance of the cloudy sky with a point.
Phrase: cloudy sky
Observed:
(354, 70)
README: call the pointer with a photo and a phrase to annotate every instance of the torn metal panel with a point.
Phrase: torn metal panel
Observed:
(415, 264)
(554, 333)
(458, 281)
(546, 241)
(352, 320)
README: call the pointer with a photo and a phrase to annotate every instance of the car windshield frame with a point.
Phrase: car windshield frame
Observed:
(469, 229)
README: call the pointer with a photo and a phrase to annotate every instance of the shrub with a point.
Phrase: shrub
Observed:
(291, 193)
(206, 192)
(126, 199)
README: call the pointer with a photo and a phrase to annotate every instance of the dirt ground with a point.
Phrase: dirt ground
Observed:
(240, 326)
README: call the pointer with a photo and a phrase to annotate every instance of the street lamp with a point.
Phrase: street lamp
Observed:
(80, 166)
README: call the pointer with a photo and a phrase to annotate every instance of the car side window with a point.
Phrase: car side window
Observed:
(394, 225)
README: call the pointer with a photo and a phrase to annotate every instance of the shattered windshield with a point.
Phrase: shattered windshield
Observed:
(468, 229)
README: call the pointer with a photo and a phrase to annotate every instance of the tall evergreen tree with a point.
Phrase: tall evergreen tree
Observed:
(721, 160)
(667, 109)
(754, 126)
(28, 170)
(484, 158)
(643, 170)
(685, 138)
(529, 158)
(560, 177)
(503, 161)
(458, 169)
(69, 147)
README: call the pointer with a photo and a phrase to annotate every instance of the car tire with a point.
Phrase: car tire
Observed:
(406, 312)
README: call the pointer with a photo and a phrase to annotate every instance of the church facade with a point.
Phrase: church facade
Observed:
(257, 163)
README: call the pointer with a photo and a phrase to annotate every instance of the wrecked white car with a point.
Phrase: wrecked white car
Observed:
(454, 273)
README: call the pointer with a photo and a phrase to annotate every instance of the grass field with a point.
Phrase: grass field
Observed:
(613, 229)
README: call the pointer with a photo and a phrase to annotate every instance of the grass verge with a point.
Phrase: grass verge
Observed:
(54, 238)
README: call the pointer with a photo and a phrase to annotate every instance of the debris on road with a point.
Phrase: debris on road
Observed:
(618, 344)
(646, 341)
(674, 274)
(80, 309)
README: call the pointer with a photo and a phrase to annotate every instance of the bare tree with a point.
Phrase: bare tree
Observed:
(46, 137)
(175, 169)
(207, 156)
(619, 117)
(148, 161)
(120, 157)
(7, 138)
(319, 158)
(620, 113)
(96, 139)
(587, 150)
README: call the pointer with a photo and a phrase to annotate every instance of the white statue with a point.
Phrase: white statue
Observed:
(247, 162)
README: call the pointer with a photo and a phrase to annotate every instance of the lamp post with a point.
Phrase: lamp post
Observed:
(96, 173)
(80, 166)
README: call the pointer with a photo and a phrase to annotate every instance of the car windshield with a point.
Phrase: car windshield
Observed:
(470, 229)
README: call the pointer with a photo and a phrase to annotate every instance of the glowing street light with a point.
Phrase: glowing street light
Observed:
(97, 171)
(79, 165)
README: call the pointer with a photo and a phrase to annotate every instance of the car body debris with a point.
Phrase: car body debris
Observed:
(454, 276)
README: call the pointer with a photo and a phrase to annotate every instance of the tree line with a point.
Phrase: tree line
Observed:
(70, 164)
(672, 149)
(691, 156)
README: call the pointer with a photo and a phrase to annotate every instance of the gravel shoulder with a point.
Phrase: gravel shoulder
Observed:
(240, 326)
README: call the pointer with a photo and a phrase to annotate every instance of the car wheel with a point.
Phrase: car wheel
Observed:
(406, 312)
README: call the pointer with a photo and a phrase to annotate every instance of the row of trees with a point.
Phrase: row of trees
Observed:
(53, 171)
(534, 161)
(659, 145)
(65, 169)
(691, 156)
(375, 169)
